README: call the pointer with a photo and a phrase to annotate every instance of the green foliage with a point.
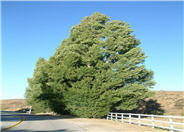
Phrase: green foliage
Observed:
(35, 88)
(97, 69)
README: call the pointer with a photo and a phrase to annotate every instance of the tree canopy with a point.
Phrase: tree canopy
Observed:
(97, 69)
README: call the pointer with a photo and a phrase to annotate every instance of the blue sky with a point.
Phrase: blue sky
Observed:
(35, 29)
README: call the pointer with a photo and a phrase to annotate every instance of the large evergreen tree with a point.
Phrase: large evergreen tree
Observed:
(97, 69)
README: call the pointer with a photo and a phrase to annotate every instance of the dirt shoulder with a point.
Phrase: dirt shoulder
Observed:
(101, 125)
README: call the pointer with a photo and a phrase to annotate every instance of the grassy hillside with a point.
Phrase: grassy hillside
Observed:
(12, 104)
(171, 102)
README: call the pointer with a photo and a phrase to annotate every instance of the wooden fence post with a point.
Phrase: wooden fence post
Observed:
(153, 122)
(139, 119)
(171, 123)
(129, 118)
(116, 116)
(122, 117)
(111, 116)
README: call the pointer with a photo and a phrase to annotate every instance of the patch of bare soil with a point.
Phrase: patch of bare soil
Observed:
(101, 125)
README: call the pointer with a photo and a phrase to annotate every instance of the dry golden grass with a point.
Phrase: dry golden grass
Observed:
(12, 104)
(171, 101)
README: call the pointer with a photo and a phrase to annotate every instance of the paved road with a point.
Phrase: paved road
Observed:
(35, 123)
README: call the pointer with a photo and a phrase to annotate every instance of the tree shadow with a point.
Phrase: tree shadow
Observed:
(16, 116)
(148, 106)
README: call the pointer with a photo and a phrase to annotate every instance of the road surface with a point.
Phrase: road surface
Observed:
(38, 123)
(35, 123)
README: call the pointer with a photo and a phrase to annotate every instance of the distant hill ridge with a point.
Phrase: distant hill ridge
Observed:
(171, 101)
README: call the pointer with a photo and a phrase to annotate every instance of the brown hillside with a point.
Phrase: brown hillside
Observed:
(12, 104)
(171, 101)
